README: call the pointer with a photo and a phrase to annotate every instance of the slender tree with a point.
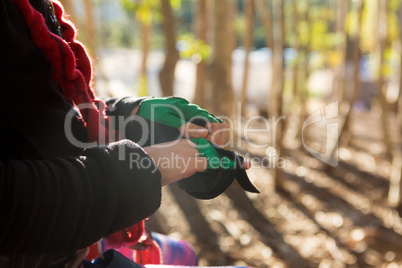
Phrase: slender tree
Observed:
(201, 27)
(395, 187)
(276, 100)
(296, 46)
(92, 44)
(144, 11)
(296, 103)
(264, 13)
(342, 10)
(275, 41)
(146, 31)
(382, 43)
(248, 43)
(305, 50)
(220, 69)
(399, 116)
(347, 104)
(356, 70)
(166, 74)
(90, 28)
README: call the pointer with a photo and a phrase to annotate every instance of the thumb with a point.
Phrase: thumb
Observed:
(193, 131)
(201, 164)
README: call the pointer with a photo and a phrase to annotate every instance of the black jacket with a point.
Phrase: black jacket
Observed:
(54, 196)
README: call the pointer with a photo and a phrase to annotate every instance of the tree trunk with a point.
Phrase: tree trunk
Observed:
(346, 105)
(399, 115)
(295, 103)
(340, 89)
(248, 43)
(265, 15)
(274, 98)
(91, 42)
(356, 71)
(382, 30)
(90, 28)
(166, 74)
(146, 29)
(297, 48)
(201, 27)
(395, 187)
(277, 91)
(221, 73)
(303, 91)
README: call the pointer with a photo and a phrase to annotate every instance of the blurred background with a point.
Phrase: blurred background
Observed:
(330, 193)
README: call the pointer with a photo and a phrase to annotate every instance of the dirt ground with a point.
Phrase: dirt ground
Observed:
(336, 217)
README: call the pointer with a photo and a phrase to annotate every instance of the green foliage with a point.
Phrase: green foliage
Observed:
(117, 33)
(304, 33)
(145, 11)
(176, 4)
(315, 29)
(302, 7)
(392, 26)
(368, 38)
(184, 16)
(394, 5)
(142, 87)
(352, 23)
(290, 37)
(390, 65)
(194, 49)
(259, 37)
(240, 28)
(319, 35)
(125, 33)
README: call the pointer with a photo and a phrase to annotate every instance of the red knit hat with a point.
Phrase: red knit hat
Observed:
(72, 75)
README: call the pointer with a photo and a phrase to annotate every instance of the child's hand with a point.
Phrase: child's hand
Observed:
(176, 160)
(215, 132)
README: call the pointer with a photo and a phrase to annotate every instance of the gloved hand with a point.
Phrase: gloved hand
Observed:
(167, 119)
(223, 167)
(173, 111)
(160, 120)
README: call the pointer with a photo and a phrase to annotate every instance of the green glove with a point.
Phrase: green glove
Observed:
(173, 111)
(214, 158)
(223, 167)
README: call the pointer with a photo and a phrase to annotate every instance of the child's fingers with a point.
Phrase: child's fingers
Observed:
(193, 131)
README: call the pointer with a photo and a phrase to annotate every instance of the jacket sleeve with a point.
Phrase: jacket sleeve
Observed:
(122, 106)
(64, 204)
(120, 118)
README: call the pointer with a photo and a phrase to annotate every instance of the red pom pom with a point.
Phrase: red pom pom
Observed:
(126, 237)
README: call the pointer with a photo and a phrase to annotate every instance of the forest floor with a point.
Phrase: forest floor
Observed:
(337, 217)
